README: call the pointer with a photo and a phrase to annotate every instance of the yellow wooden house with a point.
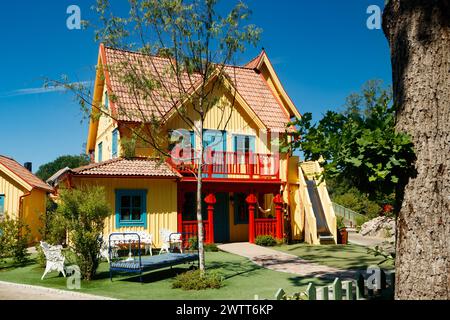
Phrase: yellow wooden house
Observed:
(250, 187)
(22, 195)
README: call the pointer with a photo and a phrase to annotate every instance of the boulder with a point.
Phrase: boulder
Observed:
(381, 227)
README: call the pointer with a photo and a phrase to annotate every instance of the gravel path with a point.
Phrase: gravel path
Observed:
(12, 291)
(284, 262)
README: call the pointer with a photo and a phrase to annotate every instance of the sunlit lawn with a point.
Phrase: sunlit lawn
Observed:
(339, 256)
(243, 280)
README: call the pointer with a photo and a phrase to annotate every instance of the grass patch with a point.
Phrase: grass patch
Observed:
(348, 257)
(242, 280)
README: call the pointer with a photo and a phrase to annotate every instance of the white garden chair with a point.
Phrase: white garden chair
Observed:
(170, 240)
(54, 259)
(104, 251)
(127, 238)
(146, 240)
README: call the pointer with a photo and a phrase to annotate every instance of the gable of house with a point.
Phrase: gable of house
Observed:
(22, 195)
(258, 102)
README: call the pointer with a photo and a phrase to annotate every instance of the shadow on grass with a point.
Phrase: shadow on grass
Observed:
(151, 276)
(233, 269)
(228, 270)
(9, 265)
(339, 256)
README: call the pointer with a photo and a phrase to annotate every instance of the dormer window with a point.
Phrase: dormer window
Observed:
(106, 101)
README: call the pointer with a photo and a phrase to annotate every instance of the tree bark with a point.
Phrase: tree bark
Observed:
(419, 35)
(201, 233)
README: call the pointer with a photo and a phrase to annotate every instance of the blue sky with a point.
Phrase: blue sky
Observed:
(322, 51)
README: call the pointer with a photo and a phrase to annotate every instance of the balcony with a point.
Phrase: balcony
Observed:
(230, 165)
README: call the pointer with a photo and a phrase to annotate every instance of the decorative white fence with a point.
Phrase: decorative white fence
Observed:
(379, 285)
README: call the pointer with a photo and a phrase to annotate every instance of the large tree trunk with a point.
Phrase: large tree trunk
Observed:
(419, 35)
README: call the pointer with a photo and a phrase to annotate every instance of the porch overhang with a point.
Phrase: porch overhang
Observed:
(231, 185)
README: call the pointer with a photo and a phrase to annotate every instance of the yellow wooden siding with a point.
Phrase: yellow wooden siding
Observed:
(104, 135)
(33, 208)
(12, 191)
(223, 116)
(33, 204)
(229, 117)
(297, 210)
(161, 202)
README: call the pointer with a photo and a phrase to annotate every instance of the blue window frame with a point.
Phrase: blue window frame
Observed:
(240, 209)
(100, 152)
(244, 144)
(131, 208)
(2, 204)
(115, 141)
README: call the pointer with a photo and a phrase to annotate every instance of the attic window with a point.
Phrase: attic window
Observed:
(106, 100)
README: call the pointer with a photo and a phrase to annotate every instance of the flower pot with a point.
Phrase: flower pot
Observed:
(342, 236)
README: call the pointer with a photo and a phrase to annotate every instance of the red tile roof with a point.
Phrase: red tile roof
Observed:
(258, 95)
(133, 106)
(23, 173)
(254, 63)
(137, 167)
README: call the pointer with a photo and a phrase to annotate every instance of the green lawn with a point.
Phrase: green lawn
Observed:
(343, 257)
(243, 280)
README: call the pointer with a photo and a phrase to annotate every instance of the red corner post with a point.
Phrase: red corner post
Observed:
(278, 201)
(251, 201)
(210, 202)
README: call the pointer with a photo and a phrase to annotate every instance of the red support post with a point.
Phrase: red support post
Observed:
(278, 201)
(180, 201)
(251, 201)
(180, 222)
(210, 201)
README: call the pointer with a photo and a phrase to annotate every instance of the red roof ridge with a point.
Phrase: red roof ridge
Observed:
(255, 61)
(95, 165)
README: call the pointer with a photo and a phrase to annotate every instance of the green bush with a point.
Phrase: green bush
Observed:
(40, 257)
(194, 280)
(340, 223)
(83, 213)
(53, 229)
(14, 237)
(211, 247)
(354, 200)
(193, 243)
(360, 220)
(265, 241)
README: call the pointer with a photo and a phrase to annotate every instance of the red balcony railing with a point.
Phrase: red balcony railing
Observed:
(232, 165)
(266, 227)
(190, 230)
